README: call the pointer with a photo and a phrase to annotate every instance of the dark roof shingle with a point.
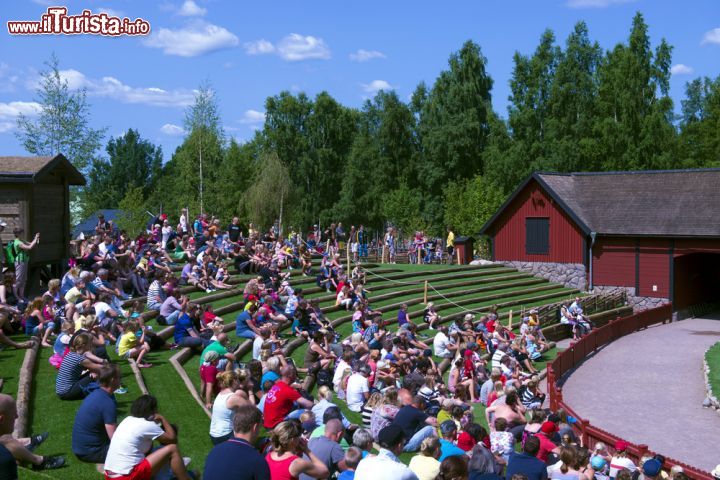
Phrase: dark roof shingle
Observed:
(658, 203)
(29, 168)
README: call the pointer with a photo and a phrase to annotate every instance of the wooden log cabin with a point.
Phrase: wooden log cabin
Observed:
(35, 195)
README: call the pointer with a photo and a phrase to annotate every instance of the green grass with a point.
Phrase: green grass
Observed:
(712, 357)
(177, 404)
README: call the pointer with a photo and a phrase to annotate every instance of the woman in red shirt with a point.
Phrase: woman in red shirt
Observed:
(285, 461)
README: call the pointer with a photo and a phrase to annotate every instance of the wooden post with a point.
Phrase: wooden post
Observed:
(426, 290)
(510, 320)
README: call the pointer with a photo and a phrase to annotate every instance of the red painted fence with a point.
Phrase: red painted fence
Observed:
(574, 355)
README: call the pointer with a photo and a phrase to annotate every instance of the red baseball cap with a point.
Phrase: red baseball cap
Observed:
(621, 445)
(548, 428)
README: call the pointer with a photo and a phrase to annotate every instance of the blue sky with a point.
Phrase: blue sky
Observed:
(251, 50)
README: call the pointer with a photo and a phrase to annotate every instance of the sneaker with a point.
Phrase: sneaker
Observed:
(50, 463)
(144, 365)
(121, 391)
(36, 440)
(186, 461)
(208, 290)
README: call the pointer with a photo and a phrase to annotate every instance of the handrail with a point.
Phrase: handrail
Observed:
(570, 358)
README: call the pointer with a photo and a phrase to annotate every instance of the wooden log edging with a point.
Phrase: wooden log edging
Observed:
(25, 390)
(138, 376)
(177, 362)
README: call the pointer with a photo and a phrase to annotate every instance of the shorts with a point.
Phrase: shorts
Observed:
(141, 471)
(354, 247)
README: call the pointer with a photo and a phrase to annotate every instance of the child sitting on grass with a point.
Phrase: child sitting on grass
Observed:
(502, 442)
(353, 455)
(133, 347)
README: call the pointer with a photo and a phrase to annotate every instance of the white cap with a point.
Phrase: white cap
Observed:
(3, 223)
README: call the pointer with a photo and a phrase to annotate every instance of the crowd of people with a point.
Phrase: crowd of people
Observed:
(410, 387)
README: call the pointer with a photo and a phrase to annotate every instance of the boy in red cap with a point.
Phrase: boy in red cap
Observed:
(620, 460)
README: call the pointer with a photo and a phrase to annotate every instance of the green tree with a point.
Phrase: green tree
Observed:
(469, 204)
(268, 197)
(234, 177)
(202, 119)
(700, 125)
(402, 208)
(634, 111)
(453, 126)
(132, 216)
(63, 124)
(132, 162)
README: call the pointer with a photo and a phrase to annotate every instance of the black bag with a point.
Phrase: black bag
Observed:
(324, 377)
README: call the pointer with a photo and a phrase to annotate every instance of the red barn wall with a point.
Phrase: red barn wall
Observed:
(654, 268)
(614, 262)
(566, 239)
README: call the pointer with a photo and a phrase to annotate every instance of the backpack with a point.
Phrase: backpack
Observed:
(10, 252)
(324, 378)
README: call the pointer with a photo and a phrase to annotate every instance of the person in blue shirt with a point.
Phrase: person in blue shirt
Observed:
(237, 457)
(96, 419)
(353, 455)
(527, 463)
(245, 326)
(185, 334)
(447, 448)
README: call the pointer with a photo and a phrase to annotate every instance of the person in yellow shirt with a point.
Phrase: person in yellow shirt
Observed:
(450, 244)
(133, 347)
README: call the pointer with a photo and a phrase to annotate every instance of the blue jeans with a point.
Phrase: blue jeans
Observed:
(245, 333)
(413, 445)
(172, 318)
(193, 342)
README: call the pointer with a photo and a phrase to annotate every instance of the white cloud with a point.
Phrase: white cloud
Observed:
(376, 85)
(713, 36)
(259, 47)
(681, 69)
(252, 116)
(111, 87)
(10, 111)
(292, 48)
(297, 47)
(172, 130)
(191, 9)
(595, 3)
(110, 11)
(193, 40)
(365, 55)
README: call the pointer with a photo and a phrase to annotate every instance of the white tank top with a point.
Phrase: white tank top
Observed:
(221, 422)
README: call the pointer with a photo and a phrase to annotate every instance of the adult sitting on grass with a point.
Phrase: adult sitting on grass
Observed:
(96, 420)
(386, 465)
(415, 423)
(237, 458)
(286, 459)
(13, 450)
(282, 397)
(131, 455)
(235, 392)
(5, 340)
(426, 465)
(185, 334)
(75, 376)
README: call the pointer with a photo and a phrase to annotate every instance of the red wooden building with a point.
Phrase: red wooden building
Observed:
(655, 233)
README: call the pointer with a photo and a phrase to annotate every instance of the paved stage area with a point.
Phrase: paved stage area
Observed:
(648, 388)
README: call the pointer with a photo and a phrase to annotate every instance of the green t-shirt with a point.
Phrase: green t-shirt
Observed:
(20, 254)
(215, 347)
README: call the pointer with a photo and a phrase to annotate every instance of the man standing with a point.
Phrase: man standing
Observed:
(450, 244)
(386, 465)
(237, 458)
(234, 230)
(96, 420)
(21, 251)
(327, 448)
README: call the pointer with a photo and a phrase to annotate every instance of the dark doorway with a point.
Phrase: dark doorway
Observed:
(696, 279)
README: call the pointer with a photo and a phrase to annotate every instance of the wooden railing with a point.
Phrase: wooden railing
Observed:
(573, 356)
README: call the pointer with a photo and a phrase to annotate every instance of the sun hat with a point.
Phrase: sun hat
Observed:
(548, 428)
(652, 467)
(621, 445)
(597, 462)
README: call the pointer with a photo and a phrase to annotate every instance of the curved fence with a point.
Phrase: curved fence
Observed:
(573, 356)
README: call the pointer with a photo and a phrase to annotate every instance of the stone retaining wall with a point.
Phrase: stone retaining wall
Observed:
(572, 275)
(638, 303)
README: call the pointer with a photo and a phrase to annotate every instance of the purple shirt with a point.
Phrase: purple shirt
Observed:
(402, 318)
(169, 306)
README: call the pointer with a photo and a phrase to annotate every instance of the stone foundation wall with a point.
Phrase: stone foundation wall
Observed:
(638, 303)
(572, 275)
